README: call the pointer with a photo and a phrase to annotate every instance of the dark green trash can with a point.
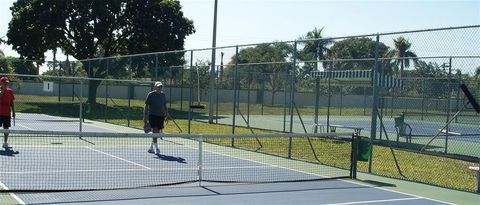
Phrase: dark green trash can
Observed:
(364, 148)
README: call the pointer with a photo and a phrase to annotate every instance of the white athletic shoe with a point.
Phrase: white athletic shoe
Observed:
(157, 151)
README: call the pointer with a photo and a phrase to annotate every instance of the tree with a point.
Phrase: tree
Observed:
(5, 65)
(403, 54)
(87, 29)
(23, 67)
(315, 48)
(354, 54)
(260, 64)
(477, 74)
(432, 80)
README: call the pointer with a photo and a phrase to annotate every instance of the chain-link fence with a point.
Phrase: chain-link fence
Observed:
(399, 89)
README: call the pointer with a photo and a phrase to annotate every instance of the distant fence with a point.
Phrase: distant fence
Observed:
(303, 98)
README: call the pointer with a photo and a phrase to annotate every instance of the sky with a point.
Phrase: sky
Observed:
(256, 21)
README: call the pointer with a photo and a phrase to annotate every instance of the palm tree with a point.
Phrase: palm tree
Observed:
(316, 48)
(477, 74)
(403, 54)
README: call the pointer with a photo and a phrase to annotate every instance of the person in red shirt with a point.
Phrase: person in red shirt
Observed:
(7, 108)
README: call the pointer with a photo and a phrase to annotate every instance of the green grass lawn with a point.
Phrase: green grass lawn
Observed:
(414, 166)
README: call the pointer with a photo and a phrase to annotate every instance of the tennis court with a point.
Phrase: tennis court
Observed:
(36, 121)
(419, 127)
(464, 141)
(58, 167)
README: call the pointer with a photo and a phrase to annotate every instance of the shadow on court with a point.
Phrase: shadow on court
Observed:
(171, 158)
(9, 153)
(377, 183)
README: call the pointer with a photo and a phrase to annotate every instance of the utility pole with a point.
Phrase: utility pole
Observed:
(212, 70)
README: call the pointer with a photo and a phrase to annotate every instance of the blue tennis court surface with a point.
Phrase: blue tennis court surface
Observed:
(124, 166)
(79, 165)
(317, 192)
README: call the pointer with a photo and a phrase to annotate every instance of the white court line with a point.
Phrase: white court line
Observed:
(375, 201)
(399, 192)
(309, 173)
(20, 201)
(61, 118)
(120, 170)
(71, 171)
(57, 146)
(450, 132)
(3, 186)
(347, 181)
(102, 127)
(28, 128)
(143, 166)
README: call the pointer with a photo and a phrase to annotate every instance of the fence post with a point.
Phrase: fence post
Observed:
(364, 101)
(81, 106)
(329, 94)
(190, 93)
(449, 89)
(285, 100)
(200, 160)
(317, 96)
(106, 93)
(292, 97)
(373, 128)
(235, 73)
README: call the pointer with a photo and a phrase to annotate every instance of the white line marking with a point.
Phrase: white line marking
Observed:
(374, 201)
(69, 171)
(344, 180)
(452, 133)
(145, 167)
(3, 186)
(399, 192)
(20, 201)
(105, 128)
(28, 128)
(125, 170)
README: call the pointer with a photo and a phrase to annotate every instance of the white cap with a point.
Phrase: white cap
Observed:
(158, 84)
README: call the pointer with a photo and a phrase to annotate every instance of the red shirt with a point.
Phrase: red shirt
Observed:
(6, 99)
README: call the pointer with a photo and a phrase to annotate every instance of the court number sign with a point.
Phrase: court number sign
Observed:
(48, 86)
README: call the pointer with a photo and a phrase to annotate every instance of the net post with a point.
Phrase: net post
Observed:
(200, 159)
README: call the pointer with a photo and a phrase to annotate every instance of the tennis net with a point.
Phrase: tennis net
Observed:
(57, 161)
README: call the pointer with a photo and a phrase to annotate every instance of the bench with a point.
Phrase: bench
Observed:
(333, 128)
(320, 126)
